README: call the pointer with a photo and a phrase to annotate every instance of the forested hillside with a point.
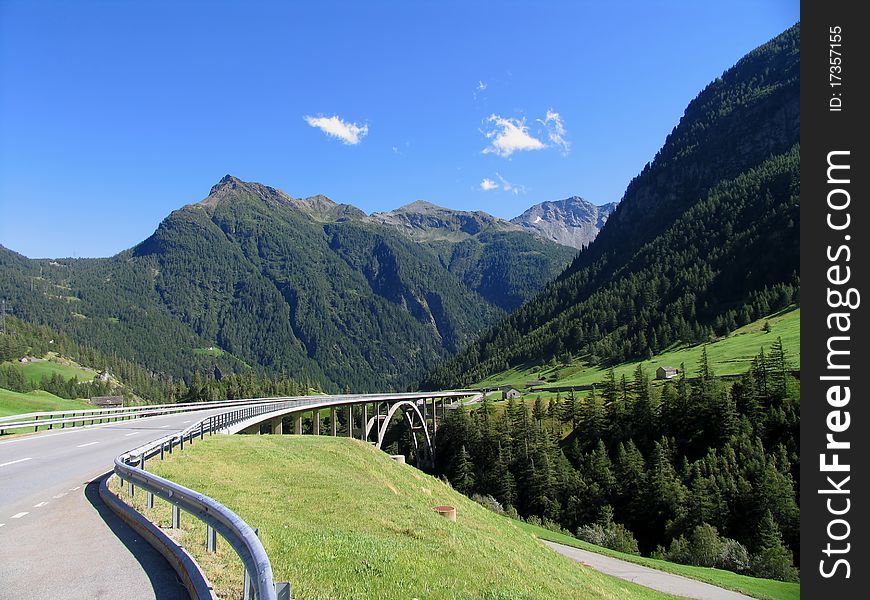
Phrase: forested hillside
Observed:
(704, 240)
(693, 472)
(250, 278)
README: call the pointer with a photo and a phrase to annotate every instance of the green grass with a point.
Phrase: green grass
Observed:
(339, 519)
(16, 403)
(767, 589)
(210, 351)
(727, 356)
(35, 371)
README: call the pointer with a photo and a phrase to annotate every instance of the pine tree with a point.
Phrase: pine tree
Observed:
(773, 560)
(462, 472)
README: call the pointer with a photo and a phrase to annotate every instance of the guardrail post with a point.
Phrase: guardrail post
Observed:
(181, 441)
(211, 543)
(162, 444)
(36, 427)
(170, 445)
(201, 430)
(176, 517)
(250, 590)
(149, 500)
(132, 489)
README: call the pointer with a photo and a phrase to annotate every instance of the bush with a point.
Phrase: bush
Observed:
(553, 526)
(614, 536)
(773, 563)
(679, 551)
(705, 545)
(705, 548)
(733, 557)
(489, 503)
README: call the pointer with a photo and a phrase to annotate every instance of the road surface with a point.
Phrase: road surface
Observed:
(651, 578)
(57, 539)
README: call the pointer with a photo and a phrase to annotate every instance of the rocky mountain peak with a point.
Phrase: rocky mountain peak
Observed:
(571, 222)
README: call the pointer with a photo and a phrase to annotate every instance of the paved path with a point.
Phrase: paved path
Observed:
(57, 538)
(651, 578)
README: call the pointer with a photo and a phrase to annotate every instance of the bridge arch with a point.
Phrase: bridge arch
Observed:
(416, 423)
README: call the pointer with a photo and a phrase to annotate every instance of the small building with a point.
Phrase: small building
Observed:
(508, 392)
(533, 382)
(667, 372)
(107, 401)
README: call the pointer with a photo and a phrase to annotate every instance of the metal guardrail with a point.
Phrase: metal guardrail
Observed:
(219, 519)
(110, 414)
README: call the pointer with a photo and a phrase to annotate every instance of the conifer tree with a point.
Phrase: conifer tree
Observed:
(462, 472)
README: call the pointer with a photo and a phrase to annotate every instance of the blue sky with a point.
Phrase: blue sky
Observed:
(114, 113)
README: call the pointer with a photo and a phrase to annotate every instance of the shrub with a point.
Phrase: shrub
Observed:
(614, 536)
(705, 545)
(733, 557)
(489, 503)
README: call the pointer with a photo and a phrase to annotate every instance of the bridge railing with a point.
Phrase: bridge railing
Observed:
(130, 467)
(72, 417)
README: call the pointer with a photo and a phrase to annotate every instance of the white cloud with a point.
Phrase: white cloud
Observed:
(349, 133)
(510, 135)
(488, 184)
(510, 187)
(556, 130)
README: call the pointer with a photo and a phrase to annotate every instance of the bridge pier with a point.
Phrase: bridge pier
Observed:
(350, 420)
(365, 420)
(315, 422)
(297, 423)
(277, 426)
(333, 420)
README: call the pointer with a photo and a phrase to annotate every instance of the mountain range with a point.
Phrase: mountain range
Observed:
(250, 277)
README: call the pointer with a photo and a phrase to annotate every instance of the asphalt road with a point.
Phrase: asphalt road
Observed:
(651, 578)
(57, 539)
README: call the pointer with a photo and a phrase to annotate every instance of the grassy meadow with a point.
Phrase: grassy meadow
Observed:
(729, 355)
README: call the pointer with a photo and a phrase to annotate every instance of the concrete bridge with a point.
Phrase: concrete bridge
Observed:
(58, 540)
(365, 417)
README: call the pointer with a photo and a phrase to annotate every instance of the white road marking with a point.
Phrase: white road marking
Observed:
(183, 422)
(40, 505)
(2, 524)
(88, 444)
(164, 426)
(129, 434)
(12, 462)
(60, 495)
(75, 488)
(19, 515)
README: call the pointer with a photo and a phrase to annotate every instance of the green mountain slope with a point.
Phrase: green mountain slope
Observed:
(309, 288)
(705, 239)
